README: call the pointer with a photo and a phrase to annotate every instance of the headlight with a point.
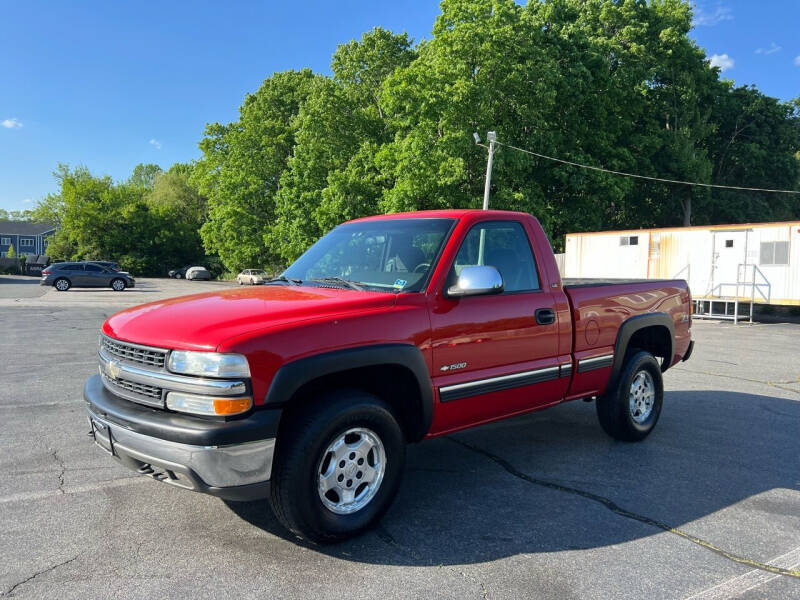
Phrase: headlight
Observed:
(208, 364)
(207, 405)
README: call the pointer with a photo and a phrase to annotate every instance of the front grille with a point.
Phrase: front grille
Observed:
(132, 390)
(132, 353)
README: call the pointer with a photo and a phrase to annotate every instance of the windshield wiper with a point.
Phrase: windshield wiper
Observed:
(285, 279)
(351, 284)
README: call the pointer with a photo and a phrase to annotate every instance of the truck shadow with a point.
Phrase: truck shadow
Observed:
(552, 481)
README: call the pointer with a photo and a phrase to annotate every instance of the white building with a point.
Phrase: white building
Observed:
(753, 261)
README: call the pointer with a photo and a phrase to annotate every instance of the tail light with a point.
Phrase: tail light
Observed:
(46, 271)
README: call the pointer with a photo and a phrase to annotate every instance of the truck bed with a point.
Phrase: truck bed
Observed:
(578, 282)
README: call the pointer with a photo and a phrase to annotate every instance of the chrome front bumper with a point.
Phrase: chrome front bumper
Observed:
(236, 472)
(231, 459)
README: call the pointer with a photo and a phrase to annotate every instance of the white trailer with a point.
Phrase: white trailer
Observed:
(725, 265)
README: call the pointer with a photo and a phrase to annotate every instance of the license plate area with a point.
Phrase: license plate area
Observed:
(102, 436)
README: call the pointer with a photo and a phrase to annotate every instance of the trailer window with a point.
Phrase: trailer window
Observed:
(774, 253)
(629, 240)
(729, 243)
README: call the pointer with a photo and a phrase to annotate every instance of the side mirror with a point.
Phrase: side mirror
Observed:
(477, 281)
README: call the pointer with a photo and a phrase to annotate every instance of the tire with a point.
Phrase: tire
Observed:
(62, 284)
(305, 453)
(630, 411)
(178, 276)
(118, 284)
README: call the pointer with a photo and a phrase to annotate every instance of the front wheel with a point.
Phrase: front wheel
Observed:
(118, 285)
(629, 411)
(338, 467)
(178, 276)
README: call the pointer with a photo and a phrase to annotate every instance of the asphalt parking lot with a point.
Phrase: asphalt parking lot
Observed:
(543, 505)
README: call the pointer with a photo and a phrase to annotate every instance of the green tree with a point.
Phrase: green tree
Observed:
(145, 175)
(617, 84)
(11, 253)
(100, 219)
(240, 172)
(331, 176)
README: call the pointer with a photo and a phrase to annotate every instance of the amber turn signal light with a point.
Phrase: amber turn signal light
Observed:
(231, 406)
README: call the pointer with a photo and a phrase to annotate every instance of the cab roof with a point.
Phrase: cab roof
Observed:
(456, 213)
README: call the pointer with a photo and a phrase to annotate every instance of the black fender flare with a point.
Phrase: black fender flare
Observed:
(293, 375)
(625, 333)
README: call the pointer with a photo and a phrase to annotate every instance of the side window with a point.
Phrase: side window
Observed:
(503, 245)
(95, 268)
(74, 267)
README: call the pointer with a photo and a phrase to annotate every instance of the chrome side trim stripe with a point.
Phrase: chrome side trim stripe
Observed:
(596, 362)
(566, 370)
(458, 391)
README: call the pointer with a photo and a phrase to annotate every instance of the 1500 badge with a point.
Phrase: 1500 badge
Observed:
(453, 367)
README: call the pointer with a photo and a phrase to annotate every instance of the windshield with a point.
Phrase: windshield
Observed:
(257, 272)
(392, 255)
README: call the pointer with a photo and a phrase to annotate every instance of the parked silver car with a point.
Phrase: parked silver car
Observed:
(251, 276)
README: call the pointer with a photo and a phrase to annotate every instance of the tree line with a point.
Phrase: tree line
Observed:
(618, 84)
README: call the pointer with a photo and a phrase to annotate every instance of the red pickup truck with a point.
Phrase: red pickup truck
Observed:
(389, 330)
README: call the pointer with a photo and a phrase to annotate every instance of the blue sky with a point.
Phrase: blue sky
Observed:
(112, 84)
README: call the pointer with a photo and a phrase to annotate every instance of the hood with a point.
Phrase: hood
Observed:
(203, 321)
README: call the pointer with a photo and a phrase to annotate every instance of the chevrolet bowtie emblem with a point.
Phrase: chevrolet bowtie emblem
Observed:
(113, 369)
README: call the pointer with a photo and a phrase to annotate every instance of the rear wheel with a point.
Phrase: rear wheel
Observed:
(630, 410)
(338, 467)
(118, 285)
(62, 284)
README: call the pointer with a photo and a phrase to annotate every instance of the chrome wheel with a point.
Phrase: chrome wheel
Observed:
(62, 285)
(118, 285)
(642, 396)
(351, 471)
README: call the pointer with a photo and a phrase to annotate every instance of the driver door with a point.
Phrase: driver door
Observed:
(495, 355)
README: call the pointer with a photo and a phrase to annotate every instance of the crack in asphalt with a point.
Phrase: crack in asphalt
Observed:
(10, 591)
(622, 512)
(57, 458)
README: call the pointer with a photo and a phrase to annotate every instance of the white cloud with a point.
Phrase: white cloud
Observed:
(723, 61)
(797, 60)
(709, 18)
(13, 123)
(773, 48)
(27, 201)
(155, 144)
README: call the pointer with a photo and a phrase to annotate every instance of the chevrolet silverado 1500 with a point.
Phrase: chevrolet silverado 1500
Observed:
(389, 330)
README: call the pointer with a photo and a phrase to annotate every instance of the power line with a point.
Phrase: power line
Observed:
(602, 170)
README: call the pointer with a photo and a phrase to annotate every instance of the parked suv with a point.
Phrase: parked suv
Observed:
(63, 276)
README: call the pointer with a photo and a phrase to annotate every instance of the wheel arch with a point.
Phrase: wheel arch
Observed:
(653, 332)
(397, 373)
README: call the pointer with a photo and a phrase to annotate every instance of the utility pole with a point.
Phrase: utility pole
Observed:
(492, 137)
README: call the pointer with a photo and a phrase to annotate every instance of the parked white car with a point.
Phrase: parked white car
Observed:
(198, 273)
(251, 277)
